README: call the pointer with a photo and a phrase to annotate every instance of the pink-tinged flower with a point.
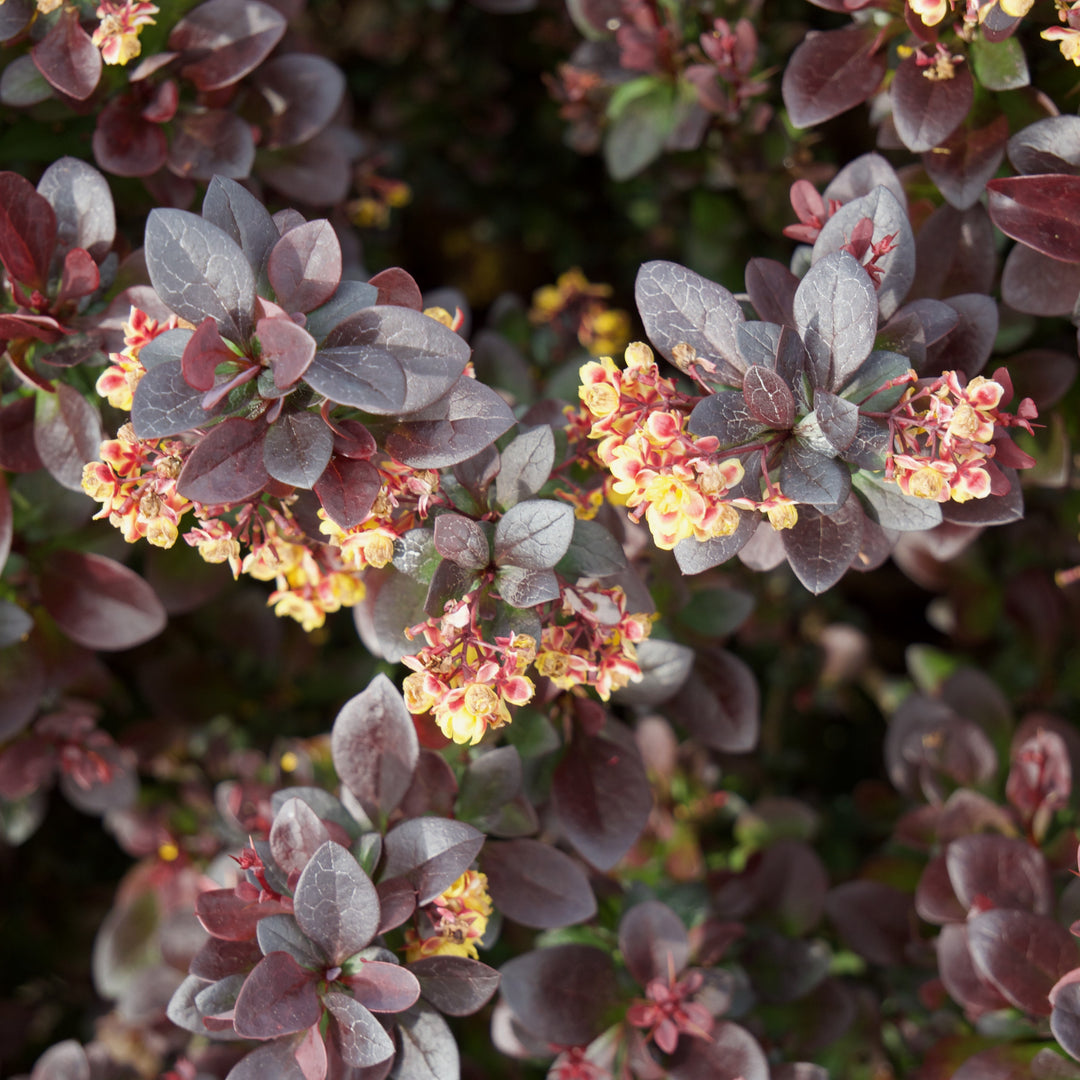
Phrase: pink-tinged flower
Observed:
(931, 12)
(574, 1065)
(668, 1013)
(117, 35)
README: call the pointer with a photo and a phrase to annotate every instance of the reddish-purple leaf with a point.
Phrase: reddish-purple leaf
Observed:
(958, 973)
(963, 163)
(222, 40)
(278, 998)
(374, 747)
(431, 853)
(347, 490)
(1065, 1018)
(237, 212)
(80, 276)
(18, 453)
(6, 531)
(361, 1039)
(719, 704)
(68, 58)
(126, 144)
(1035, 284)
(455, 985)
(228, 916)
(286, 347)
(1022, 954)
(335, 903)
(1003, 871)
(653, 941)
(874, 919)
(217, 958)
(602, 798)
(1040, 211)
(534, 534)
(305, 266)
(462, 540)
(297, 833)
(935, 898)
(165, 403)
(1050, 145)
(832, 72)
(15, 16)
(536, 884)
(205, 349)
(955, 253)
(927, 111)
(383, 987)
(67, 434)
(1040, 777)
(216, 142)
(298, 448)
(560, 994)
(730, 1053)
(27, 231)
(99, 603)
(227, 464)
(820, 547)
(398, 288)
(22, 683)
(771, 286)
(768, 397)
(397, 901)
(279, 1059)
(319, 173)
(302, 93)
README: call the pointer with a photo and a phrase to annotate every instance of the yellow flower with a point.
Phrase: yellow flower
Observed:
(460, 917)
(782, 515)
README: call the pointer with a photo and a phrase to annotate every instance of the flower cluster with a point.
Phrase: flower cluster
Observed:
(942, 436)
(117, 35)
(456, 920)
(667, 1011)
(463, 680)
(679, 483)
(118, 381)
(576, 305)
(1067, 36)
(595, 643)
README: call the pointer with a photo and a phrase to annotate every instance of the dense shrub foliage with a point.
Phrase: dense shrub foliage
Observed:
(679, 398)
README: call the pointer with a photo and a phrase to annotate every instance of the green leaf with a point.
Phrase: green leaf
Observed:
(640, 125)
(1000, 65)
(717, 612)
(929, 667)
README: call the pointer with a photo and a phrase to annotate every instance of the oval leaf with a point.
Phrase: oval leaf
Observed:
(278, 998)
(335, 903)
(537, 885)
(297, 449)
(226, 465)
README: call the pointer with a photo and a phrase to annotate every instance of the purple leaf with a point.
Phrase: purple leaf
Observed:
(431, 853)
(719, 704)
(771, 287)
(1040, 211)
(593, 552)
(1050, 145)
(349, 298)
(374, 747)
(837, 418)
(427, 1049)
(1038, 285)
(1022, 954)
(602, 798)
(1005, 871)
(82, 202)
(892, 509)
(228, 916)
(241, 216)
(398, 289)
(297, 449)
(347, 490)
(217, 959)
(366, 377)
(221, 41)
(730, 1053)
(127, 145)
(967, 159)
(1065, 1018)
(525, 588)
(286, 347)
(775, 347)
(835, 310)
(958, 974)
(22, 683)
(768, 397)
(202, 354)
(302, 94)
(537, 885)
(6, 530)
(297, 833)
(66, 1060)
(927, 111)
(280, 933)
(216, 142)
(832, 72)
(227, 464)
(99, 603)
(695, 556)
(455, 985)
(968, 345)
(525, 466)
(14, 18)
(28, 231)
(810, 477)
(276, 1059)
(678, 306)
(560, 994)
(361, 1039)
(490, 781)
(199, 270)
(861, 176)
(383, 987)
(993, 510)
(653, 941)
(534, 535)
(821, 547)
(462, 540)
(335, 903)
(68, 58)
(165, 403)
(727, 417)
(305, 266)
(278, 998)
(873, 919)
(67, 434)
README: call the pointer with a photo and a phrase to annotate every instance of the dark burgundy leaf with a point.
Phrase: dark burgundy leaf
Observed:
(347, 490)
(861, 176)
(719, 704)
(15, 16)
(99, 603)
(222, 40)
(1004, 870)
(237, 212)
(955, 253)
(927, 111)
(117, 791)
(297, 449)
(726, 417)
(217, 959)
(67, 434)
(366, 377)
(593, 552)
(537, 885)
(791, 879)
(349, 298)
(968, 345)
(526, 588)
(6, 530)
(1040, 775)
(68, 58)
(462, 540)
(467, 420)
(1040, 211)
(227, 464)
(199, 270)
(228, 916)
(297, 833)
(534, 535)
(835, 309)
(968, 158)
(1038, 285)
(1050, 145)
(17, 450)
(526, 465)
(305, 266)
(83, 205)
(335, 903)
(810, 477)
(28, 231)
(874, 919)
(1065, 1018)
(318, 173)
(730, 1053)
(775, 347)
(80, 277)
(889, 219)
(431, 853)
(397, 901)
(768, 397)
(374, 746)
(278, 998)
(216, 142)
(427, 1049)
(383, 987)
(695, 556)
(560, 994)
(1022, 954)
(202, 354)
(653, 941)
(821, 547)
(678, 307)
(276, 1059)
(286, 347)
(165, 403)
(127, 145)
(455, 985)
(958, 974)
(397, 288)
(602, 798)
(302, 92)
(837, 418)
(993, 510)
(771, 287)
(22, 683)
(832, 72)
(280, 933)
